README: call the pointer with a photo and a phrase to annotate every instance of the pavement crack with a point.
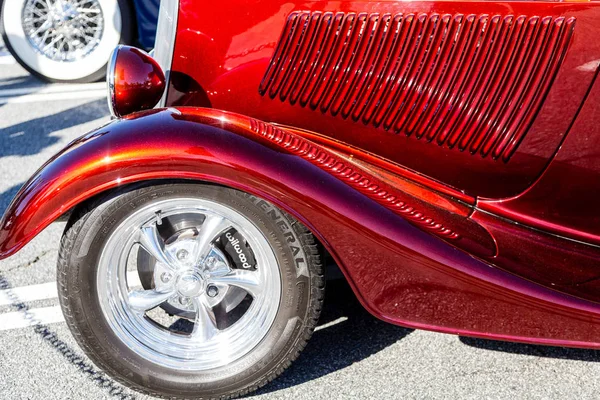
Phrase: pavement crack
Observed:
(30, 262)
(71, 355)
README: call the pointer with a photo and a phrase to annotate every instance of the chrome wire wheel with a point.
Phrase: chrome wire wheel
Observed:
(210, 263)
(63, 30)
(65, 40)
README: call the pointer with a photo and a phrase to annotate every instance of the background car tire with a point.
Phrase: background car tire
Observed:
(302, 288)
(117, 27)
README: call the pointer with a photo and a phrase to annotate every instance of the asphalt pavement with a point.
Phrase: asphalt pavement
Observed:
(351, 356)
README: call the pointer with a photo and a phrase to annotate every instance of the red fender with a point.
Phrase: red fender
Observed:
(396, 242)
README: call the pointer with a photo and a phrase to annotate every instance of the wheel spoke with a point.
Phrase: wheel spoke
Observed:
(211, 227)
(205, 324)
(45, 37)
(144, 300)
(151, 241)
(53, 42)
(88, 10)
(247, 280)
(84, 20)
(44, 27)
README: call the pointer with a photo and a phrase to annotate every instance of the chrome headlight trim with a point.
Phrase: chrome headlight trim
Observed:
(164, 45)
(110, 81)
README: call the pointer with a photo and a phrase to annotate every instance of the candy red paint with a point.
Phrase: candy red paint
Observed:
(455, 182)
(235, 43)
(136, 80)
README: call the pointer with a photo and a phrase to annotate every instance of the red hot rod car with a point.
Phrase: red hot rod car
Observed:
(445, 154)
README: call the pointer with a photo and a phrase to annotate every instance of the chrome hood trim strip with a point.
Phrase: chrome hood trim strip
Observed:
(164, 45)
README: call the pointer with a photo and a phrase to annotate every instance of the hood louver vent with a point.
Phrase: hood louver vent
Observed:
(469, 82)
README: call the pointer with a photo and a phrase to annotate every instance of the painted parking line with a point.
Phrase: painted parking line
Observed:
(53, 93)
(6, 58)
(54, 88)
(42, 315)
(39, 98)
(28, 293)
(44, 291)
(34, 316)
(331, 323)
(53, 314)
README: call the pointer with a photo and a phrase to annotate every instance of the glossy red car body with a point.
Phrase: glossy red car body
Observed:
(446, 154)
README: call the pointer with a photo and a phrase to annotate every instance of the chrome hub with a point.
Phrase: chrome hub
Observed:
(223, 311)
(188, 277)
(190, 285)
(63, 30)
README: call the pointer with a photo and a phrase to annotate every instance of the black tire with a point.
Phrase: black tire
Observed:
(127, 37)
(299, 308)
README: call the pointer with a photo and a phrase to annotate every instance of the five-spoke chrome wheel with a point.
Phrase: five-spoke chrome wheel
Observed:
(212, 272)
(189, 290)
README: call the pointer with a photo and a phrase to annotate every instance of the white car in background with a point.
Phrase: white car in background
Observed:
(71, 40)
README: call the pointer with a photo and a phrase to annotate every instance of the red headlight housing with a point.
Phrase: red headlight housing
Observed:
(135, 81)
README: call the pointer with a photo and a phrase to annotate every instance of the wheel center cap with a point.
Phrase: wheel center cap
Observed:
(190, 285)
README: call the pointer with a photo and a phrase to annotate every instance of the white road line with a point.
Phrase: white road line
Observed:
(56, 88)
(42, 315)
(32, 98)
(20, 319)
(53, 93)
(28, 293)
(331, 323)
(5, 57)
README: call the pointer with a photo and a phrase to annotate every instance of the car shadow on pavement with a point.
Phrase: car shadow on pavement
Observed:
(7, 196)
(562, 353)
(32, 136)
(338, 342)
(20, 82)
(70, 354)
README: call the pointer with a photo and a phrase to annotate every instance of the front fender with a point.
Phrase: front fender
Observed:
(399, 251)
(219, 147)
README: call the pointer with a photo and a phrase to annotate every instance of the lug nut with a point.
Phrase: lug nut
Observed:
(182, 254)
(165, 277)
(210, 262)
(184, 301)
(212, 291)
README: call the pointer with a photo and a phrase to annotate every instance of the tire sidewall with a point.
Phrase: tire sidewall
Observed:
(120, 361)
(117, 29)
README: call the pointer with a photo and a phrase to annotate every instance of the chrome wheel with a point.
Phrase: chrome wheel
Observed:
(189, 290)
(210, 263)
(63, 30)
